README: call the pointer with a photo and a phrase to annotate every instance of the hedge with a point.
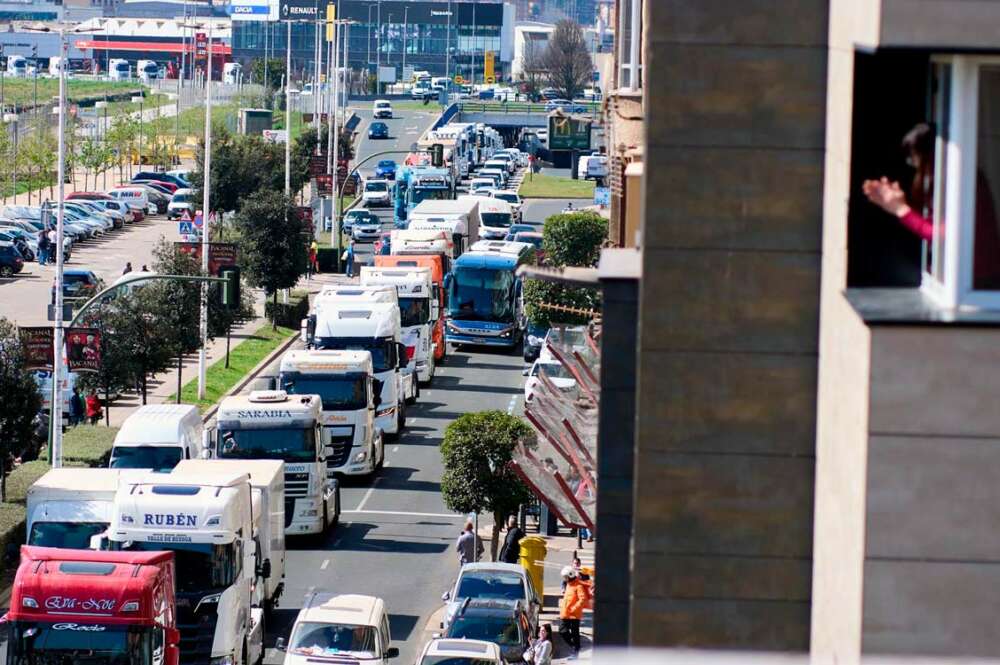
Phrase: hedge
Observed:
(290, 314)
(83, 446)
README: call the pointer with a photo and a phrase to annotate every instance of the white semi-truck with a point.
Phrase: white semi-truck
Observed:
(271, 424)
(204, 518)
(267, 483)
(417, 311)
(350, 394)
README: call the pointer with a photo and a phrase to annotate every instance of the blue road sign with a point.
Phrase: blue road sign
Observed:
(602, 196)
(185, 228)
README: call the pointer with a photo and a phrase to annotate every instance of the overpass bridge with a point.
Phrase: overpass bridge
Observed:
(513, 114)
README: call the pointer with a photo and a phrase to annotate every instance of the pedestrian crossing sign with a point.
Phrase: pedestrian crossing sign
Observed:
(185, 228)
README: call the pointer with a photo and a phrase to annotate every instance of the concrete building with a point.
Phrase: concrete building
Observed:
(814, 405)
(531, 38)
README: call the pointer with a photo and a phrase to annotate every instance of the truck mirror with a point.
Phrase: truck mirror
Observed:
(279, 644)
(205, 454)
(435, 311)
(448, 279)
(392, 652)
(265, 569)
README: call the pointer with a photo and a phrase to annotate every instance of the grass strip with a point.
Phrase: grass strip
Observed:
(542, 186)
(243, 357)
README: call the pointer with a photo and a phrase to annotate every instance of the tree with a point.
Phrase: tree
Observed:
(477, 450)
(534, 69)
(20, 398)
(272, 243)
(118, 371)
(275, 68)
(175, 305)
(568, 239)
(567, 60)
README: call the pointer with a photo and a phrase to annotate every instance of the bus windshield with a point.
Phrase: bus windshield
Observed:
(482, 294)
(291, 444)
(339, 392)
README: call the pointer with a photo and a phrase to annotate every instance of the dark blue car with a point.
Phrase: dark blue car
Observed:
(386, 168)
(378, 130)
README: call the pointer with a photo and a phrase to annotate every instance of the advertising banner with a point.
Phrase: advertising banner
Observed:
(299, 10)
(220, 254)
(83, 349)
(37, 347)
(488, 67)
(331, 16)
(253, 10)
(275, 135)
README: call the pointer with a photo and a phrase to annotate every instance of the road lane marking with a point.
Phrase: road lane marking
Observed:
(364, 500)
(513, 403)
(395, 449)
(326, 562)
(451, 516)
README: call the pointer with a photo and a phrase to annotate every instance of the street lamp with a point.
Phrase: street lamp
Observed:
(370, 8)
(137, 99)
(104, 135)
(11, 118)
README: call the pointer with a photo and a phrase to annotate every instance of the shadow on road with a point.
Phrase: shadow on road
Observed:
(353, 538)
(401, 626)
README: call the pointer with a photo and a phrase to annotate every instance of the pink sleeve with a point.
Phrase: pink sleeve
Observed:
(919, 225)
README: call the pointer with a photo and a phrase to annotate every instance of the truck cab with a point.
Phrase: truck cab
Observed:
(231, 73)
(418, 311)
(435, 263)
(147, 70)
(72, 606)
(271, 424)
(345, 382)
(205, 520)
(17, 65)
(119, 69)
(348, 323)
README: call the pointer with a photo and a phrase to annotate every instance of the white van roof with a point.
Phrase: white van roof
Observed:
(159, 423)
(352, 609)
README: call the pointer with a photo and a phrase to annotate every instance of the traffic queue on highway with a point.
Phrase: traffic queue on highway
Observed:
(28, 233)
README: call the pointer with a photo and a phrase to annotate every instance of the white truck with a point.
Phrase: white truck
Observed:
(460, 217)
(270, 424)
(267, 486)
(119, 69)
(423, 241)
(346, 384)
(147, 70)
(157, 437)
(232, 73)
(68, 508)
(205, 519)
(351, 323)
(417, 310)
(55, 64)
(17, 65)
(495, 217)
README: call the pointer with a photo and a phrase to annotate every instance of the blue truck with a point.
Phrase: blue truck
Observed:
(484, 294)
(420, 183)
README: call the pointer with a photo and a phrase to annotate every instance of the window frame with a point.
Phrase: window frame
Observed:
(960, 188)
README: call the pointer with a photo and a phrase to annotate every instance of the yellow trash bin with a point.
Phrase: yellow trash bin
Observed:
(533, 551)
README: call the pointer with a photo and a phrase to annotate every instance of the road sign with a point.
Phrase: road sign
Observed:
(458, 79)
(488, 64)
(602, 196)
(197, 219)
(275, 135)
(186, 216)
(185, 228)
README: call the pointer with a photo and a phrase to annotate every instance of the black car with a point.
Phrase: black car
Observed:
(502, 621)
(378, 130)
(11, 261)
(78, 285)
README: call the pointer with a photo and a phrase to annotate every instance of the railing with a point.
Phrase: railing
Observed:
(486, 106)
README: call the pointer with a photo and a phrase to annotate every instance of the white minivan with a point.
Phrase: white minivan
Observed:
(157, 437)
(135, 196)
(346, 627)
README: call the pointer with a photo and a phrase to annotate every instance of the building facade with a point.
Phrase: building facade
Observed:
(444, 38)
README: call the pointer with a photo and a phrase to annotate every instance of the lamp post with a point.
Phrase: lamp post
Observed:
(55, 413)
(206, 214)
(288, 113)
(103, 132)
(405, 30)
(11, 119)
(137, 99)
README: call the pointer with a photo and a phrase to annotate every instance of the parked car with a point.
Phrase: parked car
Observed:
(386, 168)
(502, 621)
(549, 93)
(26, 247)
(492, 581)
(165, 177)
(378, 130)
(442, 651)
(533, 341)
(11, 261)
(355, 216)
(555, 372)
(180, 203)
(78, 285)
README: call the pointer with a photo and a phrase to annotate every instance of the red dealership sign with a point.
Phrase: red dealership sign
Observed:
(38, 344)
(220, 254)
(83, 349)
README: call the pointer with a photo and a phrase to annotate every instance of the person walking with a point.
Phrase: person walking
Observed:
(314, 257)
(75, 407)
(540, 651)
(128, 268)
(571, 608)
(511, 550)
(93, 407)
(43, 247)
(469, 545)
(349, 257)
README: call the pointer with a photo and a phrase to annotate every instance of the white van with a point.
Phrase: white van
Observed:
(592, 167)
(348, 627)
(231, 72)
(55, 64)
(382, 108)
(119, 70)
(157, 437)
(147, 70)
(134, 196)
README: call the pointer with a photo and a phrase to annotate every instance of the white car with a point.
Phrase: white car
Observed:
(377, 193)
(180, 203)
(511, 197)
(420, 91)
(442, 651)
(482, 186)
(345, 628)
(555, 372)
(382, 108)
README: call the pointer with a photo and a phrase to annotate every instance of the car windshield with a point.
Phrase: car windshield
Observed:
(376, 187)
(85, 643)
(328, 639)
(387, 164)
(289, 444)
(496, 219)
(509, 198)
(206, 566)
(70, 278)
(180, 198)
(481, 293)
(552, 370)
(65, 535)
(380, 348)
(501, 630)
(339, 392)
(491, 584)
(157, 458)
(414, 311)
(531, 239)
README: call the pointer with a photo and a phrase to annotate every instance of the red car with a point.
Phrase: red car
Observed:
(163, 184)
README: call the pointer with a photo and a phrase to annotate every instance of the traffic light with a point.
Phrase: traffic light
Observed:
(437, 155)
(230, 289)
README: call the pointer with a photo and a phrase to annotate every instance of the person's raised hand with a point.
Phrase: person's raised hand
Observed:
(886, 195)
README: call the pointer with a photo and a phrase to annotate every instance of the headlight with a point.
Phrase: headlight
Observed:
(207, 600)
(224, 660)
(361, 457)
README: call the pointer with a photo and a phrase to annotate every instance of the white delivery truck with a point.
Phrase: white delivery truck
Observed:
(55, 64)
(147, 70)
(17, 65)
(157, 437)
(270, 424)
(495, 218)
(205, 519)
(68, 508)
(346, 384)
(422, 241)
(267, 486)
(417, 311)
(459, 216)
(372, 327)
(119, 69)
(231, 72)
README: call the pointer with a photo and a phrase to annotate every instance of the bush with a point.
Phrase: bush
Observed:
(290, 314)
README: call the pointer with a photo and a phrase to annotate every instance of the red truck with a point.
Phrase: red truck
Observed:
(96, 608)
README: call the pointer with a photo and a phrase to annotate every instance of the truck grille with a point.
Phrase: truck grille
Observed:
(296, 484)
(197, 629)
(341, 446)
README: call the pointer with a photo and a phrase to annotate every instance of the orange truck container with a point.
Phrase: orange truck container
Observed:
(437, 264)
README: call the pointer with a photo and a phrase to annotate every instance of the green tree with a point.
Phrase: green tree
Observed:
(477, 450)
(20, 398)
(175, 305)
(568, 239)
(119, 320)
(567, 60)
(275, 72)
(272, 243)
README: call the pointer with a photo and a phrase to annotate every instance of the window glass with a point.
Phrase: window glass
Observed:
(324, 639)
(927, 191)
(986, 238)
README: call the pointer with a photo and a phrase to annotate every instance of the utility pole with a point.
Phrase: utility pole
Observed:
(206, 214)
(406, 28)
(288, 113)
(55, 413)
(333, 81)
